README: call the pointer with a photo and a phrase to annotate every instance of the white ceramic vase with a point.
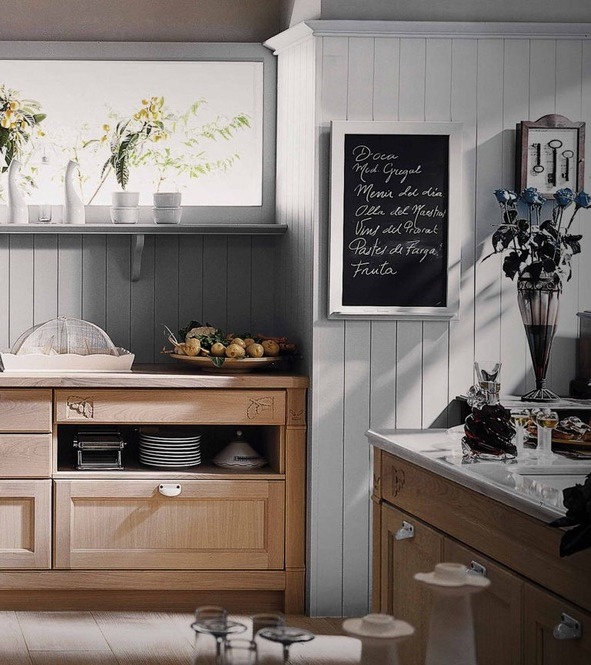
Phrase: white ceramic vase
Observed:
(73, 204)
(18, 212)
(451, 626)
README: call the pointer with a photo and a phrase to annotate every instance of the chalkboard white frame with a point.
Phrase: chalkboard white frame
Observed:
(338, 310)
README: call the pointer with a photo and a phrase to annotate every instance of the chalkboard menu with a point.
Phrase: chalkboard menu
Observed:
(392, 202)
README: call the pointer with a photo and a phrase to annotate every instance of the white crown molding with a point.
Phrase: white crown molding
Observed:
(431, 29)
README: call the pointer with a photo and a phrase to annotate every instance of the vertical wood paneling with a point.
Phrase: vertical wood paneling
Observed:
(20, 282)
(69, 278)
(356, 458)
(464, 110)
(264, 280)
(514, 350)
(584, 262)
(240, 286)
(45, 278)
(386, 75)
(435, 369)
(166, 284)
(409, 348)
(94, 279)
(146, 337)
(215, 282)
(488, 175)
(118, 290)
(328, 361)
(568, 103)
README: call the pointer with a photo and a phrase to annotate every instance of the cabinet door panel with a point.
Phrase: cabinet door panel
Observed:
(206, 407)
(402, 595)
(25, 410)
(543, 612)
(25, 524)
(208, 525)
(496, 610)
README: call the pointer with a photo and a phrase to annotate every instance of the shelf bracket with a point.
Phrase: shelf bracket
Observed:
(137, 249)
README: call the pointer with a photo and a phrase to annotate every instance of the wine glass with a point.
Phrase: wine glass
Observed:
(520, 418)
(286, 636)
(241, 652)
(547, 421)
(266, 620)
(213, 620)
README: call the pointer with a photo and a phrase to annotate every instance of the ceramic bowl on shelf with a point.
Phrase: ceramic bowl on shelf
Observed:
(167, 199)
(125, 215)
(125, 199)
(167, 215)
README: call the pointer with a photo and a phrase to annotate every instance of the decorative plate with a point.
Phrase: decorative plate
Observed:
(229, 366)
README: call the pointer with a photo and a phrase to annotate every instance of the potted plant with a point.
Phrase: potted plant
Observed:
(539, 254)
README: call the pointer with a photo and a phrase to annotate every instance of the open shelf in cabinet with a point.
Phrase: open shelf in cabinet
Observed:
(266, 440)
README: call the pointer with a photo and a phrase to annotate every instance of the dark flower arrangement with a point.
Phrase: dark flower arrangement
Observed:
(538, 248)
(577, 501)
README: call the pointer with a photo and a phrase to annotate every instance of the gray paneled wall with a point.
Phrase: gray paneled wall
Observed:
(405, 374)
(229, 281)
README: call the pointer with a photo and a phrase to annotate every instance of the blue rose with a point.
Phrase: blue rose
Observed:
(505, 196)
(531, 196)
(583, 200)
(564, 197)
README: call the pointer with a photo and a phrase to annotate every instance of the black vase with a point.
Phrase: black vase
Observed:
(538, 304)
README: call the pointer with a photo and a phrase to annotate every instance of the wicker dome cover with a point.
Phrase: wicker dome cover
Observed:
(65, 335)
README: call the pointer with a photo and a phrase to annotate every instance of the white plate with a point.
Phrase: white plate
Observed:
(172, 458)
(168, 464)
(165, 446)
(172, 439)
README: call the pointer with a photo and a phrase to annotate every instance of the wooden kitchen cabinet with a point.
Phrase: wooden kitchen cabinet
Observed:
(188, 524)
(148, 537)
(542, 616)
(408, 546)
(531, 587)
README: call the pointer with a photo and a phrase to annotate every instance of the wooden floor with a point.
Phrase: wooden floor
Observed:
(111, 638)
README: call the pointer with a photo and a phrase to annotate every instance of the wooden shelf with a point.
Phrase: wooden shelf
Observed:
(139, 231)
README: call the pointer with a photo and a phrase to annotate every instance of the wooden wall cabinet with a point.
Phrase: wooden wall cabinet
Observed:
(148, 537)
(421, 519)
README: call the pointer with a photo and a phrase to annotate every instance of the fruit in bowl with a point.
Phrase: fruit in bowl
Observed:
(205, 341)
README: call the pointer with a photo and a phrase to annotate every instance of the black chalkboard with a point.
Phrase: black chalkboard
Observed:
(395, 220)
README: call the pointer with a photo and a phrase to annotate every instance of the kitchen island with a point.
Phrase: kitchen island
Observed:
(146, 537)
(430, 507)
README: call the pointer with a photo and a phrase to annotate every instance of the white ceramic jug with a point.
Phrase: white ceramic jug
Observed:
(73, 204)
(18, 212)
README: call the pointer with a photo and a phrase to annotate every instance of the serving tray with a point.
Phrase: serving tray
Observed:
(229, 366)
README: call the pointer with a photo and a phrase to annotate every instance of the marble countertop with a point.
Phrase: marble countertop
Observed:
(533, 489)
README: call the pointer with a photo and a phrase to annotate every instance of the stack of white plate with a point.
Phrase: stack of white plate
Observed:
(170, 450)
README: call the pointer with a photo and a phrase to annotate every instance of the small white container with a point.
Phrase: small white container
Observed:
(167, 215)
(125, 199)
(125, 215)
(167, 199)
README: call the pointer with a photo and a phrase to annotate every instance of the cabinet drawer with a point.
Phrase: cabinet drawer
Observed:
(162, 524)
(25, 516)
(207, 407)
(25, 455)
(25, 410)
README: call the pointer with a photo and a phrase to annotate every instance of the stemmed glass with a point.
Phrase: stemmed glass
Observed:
(547, 421)
(213, 620)
(241, 652)
(520, 418)
(286, 636)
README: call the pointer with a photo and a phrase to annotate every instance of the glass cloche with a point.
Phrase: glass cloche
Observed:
(66, 343)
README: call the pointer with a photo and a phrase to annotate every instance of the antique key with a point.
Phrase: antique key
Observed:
(568, 155)
(537, 167)
(554, 145)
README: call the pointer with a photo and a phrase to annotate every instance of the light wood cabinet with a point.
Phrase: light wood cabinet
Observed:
(25, 524)
(189, 524)
(147, 537)
(531, 587)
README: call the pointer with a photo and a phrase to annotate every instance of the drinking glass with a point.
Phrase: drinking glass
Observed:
(520, 418)
(547, 421)
(488, 379)
(266, 620)
(220, 629)
(241, 652)
(286, 636)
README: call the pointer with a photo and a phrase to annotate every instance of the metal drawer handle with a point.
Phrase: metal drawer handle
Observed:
(170, 489)
(477, 568)
(568, 629)
(406, 531)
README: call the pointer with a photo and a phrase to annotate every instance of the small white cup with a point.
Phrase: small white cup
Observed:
(167, 199)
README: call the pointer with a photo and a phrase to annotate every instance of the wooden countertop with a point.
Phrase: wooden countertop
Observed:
(153, 376)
